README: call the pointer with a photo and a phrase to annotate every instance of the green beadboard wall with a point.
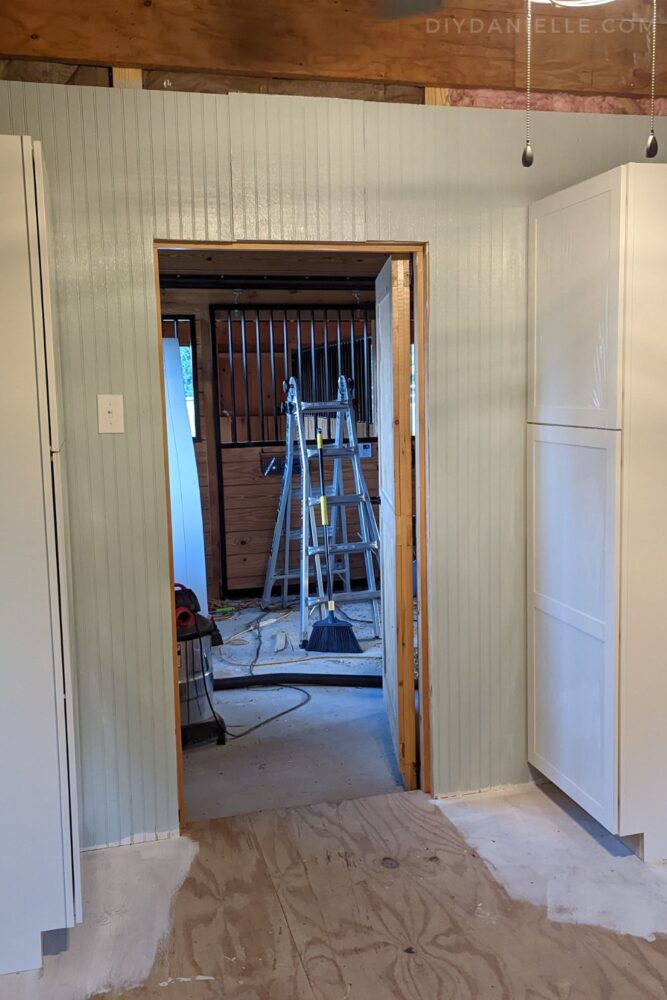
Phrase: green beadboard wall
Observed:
(126, 167)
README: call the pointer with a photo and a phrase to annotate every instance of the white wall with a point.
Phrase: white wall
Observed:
(127, 166)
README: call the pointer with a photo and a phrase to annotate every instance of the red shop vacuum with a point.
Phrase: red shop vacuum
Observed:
(196, 635)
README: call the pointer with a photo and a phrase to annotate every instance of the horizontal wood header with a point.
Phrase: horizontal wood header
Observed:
(477, 43)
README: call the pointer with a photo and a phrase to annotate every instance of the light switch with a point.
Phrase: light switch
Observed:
(110, 416)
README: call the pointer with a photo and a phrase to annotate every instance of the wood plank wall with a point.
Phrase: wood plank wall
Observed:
(251, 503)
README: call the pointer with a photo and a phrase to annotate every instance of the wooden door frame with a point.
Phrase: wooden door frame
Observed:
(419, 256)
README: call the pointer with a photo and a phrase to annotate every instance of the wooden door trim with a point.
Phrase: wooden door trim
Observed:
(398, 492)
(180, 775)
(419, 254)
(420, 307)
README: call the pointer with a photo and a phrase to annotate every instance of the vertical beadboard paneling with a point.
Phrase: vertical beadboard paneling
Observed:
(298, 168)
(123, 168)
(127, 167)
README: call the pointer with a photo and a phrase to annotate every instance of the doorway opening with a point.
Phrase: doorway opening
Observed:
(238, 322)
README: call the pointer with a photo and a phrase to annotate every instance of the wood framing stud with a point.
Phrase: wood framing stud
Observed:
(122, 76)
(436, 95)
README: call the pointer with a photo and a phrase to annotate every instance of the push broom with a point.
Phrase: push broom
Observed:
(330, 635)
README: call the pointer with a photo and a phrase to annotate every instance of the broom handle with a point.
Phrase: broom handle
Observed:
(324, 509)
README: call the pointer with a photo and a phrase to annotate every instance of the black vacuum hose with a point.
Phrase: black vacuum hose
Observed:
(310, 680)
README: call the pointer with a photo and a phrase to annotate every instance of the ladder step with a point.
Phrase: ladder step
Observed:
(331, 451)
(345, 501)
(346, 596)
(295, 574)
(344, 548)
(330, 406)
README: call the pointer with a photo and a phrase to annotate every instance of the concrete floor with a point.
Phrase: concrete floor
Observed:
(335, 746)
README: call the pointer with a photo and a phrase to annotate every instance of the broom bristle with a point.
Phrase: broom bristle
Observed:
(331, 635)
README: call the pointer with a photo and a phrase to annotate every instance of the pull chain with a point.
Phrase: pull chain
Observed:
(652, 142)
(527, 155)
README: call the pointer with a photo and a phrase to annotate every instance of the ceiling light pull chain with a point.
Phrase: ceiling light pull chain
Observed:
(527, 155)
(652, 142)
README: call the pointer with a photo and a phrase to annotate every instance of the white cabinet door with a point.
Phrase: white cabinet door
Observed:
(38, 862)
(573, 483)
(574, 310)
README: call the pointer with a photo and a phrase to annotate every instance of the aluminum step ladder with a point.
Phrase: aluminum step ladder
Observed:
(311, 569)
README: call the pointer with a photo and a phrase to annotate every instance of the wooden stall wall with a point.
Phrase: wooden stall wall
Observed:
(249, 499)
(251, 503)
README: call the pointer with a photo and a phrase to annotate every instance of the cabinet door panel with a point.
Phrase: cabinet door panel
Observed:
(573, 477)
(574, 304)
(35, 865)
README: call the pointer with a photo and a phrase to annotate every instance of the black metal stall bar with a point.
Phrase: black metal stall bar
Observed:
(319, 343)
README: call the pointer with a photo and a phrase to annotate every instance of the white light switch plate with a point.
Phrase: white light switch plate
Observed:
(110, 415)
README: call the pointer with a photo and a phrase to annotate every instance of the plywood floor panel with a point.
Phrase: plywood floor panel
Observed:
(230, 937)
(376, 899)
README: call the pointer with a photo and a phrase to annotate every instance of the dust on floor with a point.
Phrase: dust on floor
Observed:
(127, 901)
(260, 641)
(547, 851)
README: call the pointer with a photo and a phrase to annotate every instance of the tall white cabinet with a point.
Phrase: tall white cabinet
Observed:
(39, 853)
(597, 498)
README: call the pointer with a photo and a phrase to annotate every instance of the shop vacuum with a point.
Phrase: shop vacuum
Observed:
(196, 635)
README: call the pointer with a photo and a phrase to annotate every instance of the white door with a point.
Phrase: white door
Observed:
(573, 484)
(392, 298)
(575, 309)
(187, 525)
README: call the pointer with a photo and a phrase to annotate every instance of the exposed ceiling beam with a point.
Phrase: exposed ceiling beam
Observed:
(476, 43)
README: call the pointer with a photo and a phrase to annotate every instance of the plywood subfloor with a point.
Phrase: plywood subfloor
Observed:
(375, 899)
(336, 746)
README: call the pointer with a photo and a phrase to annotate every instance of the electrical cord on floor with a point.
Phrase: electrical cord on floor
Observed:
(255, 623)
(281, 687)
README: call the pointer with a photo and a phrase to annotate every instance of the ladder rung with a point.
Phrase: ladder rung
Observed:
(295, 574)
(345, 596)
(343, 548)
(349, 500)
(329, 406)
(331, 451)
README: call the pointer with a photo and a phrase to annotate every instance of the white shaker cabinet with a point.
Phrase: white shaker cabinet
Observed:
(597, 498)
(39, 854)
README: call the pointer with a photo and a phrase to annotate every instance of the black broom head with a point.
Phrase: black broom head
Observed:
(331, 635)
